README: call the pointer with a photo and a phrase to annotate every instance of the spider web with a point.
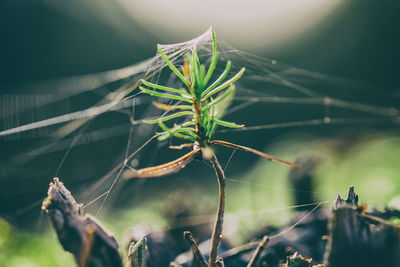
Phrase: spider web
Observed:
(89, 130)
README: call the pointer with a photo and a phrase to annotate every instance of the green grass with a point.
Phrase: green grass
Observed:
(371, 165)
(21, 249)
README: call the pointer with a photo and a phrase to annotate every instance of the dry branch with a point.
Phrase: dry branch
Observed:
(79, 234)
(359, 239)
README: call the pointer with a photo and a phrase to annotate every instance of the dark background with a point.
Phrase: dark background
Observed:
(39, 42)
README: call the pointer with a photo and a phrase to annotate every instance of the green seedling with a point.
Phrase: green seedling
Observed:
(202, 103)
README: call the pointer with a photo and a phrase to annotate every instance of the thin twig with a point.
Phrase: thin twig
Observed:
(198, 257)
(256, 255)
(236, 251)
(217, 233)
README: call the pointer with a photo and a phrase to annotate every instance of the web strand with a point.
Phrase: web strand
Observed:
(265, 83)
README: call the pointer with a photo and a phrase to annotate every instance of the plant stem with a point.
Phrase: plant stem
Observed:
(257, 254)
(198, 258)
(217, 233)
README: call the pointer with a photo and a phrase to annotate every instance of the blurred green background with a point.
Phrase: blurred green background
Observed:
(48, 40)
